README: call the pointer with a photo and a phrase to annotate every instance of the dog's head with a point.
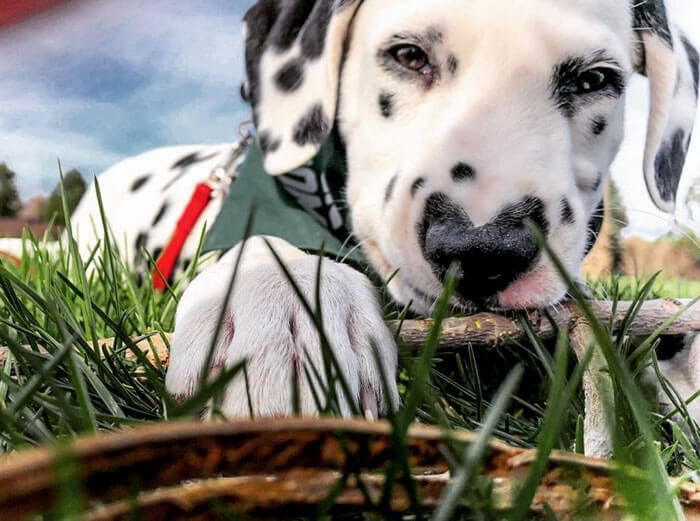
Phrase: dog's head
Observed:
(462, 120)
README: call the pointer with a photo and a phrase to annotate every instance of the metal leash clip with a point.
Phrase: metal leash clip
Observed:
(223, 175)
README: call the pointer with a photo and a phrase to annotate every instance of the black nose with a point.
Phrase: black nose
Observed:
(491, 256)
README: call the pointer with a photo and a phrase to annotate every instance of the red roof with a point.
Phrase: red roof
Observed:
(13, 11)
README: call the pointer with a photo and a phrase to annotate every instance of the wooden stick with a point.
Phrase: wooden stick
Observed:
(284, 468)
(292, 494)
(298, 494)
(494, 330)
(598, 392)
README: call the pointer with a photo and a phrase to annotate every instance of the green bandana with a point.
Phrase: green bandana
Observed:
(302, 207)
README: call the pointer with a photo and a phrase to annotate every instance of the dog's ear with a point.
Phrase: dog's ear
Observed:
(671, 63)
(294, 52)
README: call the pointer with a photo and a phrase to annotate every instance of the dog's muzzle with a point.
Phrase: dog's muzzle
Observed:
(489, 257)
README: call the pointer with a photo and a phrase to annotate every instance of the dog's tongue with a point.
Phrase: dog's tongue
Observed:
(531, 291)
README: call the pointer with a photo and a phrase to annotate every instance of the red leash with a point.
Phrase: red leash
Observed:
(166, 262)
(219, 180)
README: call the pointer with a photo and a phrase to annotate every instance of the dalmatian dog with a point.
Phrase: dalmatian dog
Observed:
(460, 121)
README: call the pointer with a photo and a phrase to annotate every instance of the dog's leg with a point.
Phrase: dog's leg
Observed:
(599, 401)
(266, 325)
(683, 373)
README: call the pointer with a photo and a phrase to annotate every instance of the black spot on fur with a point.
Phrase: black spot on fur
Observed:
(462, 172)
(141, 240)
(650, 16)
(390, 189)
(260, 21)
(567, 213)
(139, 182)
(160, 214)
(290, 77)
(157, 253)
(313, 128)
(669, 165)
(452, 64)
(598, 125)
(139, 244)
(417, 185)
(386, 104)
(186, 264)
(693, 60)
(671, 345)
(289, 22)
(280, 24)
(184, 163)
(314, 38)
(191, 159)
(268, 145)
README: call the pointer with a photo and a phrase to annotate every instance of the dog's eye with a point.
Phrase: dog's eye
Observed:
(593, 80)
(411, 57)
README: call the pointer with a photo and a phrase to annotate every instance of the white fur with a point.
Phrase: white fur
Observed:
(266, 325)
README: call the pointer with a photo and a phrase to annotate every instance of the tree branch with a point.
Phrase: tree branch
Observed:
(494, 330)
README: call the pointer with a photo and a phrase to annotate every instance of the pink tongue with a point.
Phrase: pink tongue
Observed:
(530, 291)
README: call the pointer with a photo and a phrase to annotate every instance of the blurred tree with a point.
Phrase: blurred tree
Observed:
(9, 198)
(75, 187)
(618, 221)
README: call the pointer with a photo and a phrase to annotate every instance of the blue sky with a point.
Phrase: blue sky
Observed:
(96, 81)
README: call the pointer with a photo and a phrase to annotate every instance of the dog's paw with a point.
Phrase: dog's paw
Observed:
(266, 325)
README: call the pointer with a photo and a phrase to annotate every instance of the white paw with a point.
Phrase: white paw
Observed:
(266, 325)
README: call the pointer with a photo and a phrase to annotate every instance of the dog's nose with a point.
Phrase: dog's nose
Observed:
(491, 256)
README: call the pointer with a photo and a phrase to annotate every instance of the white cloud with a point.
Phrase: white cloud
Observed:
(186, 39)
(186, 55)
(40, 170)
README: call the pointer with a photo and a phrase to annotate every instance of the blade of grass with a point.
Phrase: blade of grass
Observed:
(474, 454)
(659, 487)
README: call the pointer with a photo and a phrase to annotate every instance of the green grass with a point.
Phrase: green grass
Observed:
(629, 287)
(58, 383)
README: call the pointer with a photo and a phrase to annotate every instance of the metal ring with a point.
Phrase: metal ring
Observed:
(243, 132)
